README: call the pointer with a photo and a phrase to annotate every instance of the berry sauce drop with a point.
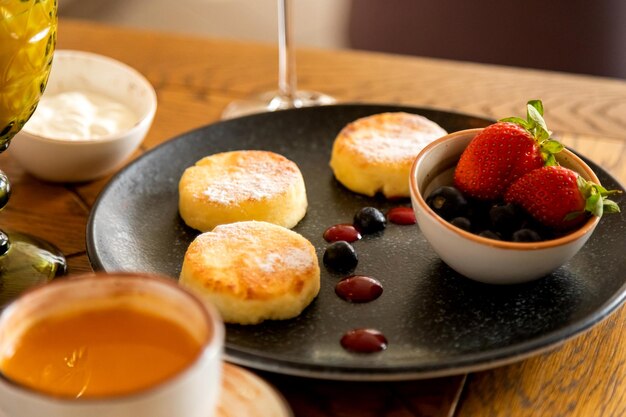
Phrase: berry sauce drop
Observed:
(345, 232)
(364, 341)
(359, 289)
(401, 215)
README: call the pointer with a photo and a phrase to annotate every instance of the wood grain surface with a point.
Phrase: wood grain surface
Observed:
(196, 77)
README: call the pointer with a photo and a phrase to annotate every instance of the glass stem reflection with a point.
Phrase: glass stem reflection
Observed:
(287, 79)
(5, 193)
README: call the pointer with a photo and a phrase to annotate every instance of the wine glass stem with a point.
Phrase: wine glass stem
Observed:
(286, 58)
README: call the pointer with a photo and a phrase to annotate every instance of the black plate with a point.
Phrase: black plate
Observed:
(437, 322)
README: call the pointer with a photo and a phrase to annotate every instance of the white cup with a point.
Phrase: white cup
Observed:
(192, 392)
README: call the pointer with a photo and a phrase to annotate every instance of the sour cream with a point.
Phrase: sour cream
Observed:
(79, 115)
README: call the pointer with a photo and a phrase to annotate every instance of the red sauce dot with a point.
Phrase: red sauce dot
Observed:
(364, 341)
(359, 289)
(339, 232)
(401, 215)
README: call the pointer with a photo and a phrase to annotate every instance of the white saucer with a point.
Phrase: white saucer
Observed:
(245, 394)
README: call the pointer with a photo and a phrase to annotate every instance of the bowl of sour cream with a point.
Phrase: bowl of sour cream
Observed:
(94, 114)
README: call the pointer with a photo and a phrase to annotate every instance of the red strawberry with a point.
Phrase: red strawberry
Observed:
(558, 197)
(494, 158)
(503, 152)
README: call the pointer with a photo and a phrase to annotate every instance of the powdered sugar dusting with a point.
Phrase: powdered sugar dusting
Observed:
(241, 234)
(292, 259)
(385, 147)
(255, 236)
(393, 137)
(270, 262)
(256, 180)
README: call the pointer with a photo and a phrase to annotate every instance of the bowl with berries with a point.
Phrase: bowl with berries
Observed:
(506, 204)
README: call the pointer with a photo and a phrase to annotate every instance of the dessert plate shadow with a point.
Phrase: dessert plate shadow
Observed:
(436, 321)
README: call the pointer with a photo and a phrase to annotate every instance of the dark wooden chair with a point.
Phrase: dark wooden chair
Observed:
(581, 36)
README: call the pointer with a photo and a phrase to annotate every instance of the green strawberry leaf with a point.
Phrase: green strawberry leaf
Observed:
(542, 135)
(610, 206)
(537, 118)
(573, 215)
(517, 121)
(552, 146)
(537, 105)
(583, 186)
(595, 197)
(605, 193)
(594, 205)
(549, 159)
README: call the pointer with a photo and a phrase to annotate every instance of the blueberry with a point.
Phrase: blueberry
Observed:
(340, 256)
(505, 218)
(462, 223)
(526, 235)
(369, 220)
(447, 202)
(478, 213)
(490, 235)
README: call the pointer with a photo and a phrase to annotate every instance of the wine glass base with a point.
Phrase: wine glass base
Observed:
(273, 101)
(29, 261)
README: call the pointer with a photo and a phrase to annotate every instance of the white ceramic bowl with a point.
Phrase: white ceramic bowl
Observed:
(59, 160)
(482, 259)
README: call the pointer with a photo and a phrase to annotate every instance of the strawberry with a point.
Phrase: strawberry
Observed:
(558, 197)
(503, 152)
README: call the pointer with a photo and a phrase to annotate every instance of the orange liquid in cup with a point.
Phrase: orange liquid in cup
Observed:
(101, 352)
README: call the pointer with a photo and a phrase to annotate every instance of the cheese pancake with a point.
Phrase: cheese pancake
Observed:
(252, 271)
(375, 153)
(242, 185)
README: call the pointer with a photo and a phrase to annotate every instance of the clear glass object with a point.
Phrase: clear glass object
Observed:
(287, 96)
(27, 38)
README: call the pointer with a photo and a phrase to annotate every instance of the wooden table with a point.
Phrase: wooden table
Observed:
(196, 77)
